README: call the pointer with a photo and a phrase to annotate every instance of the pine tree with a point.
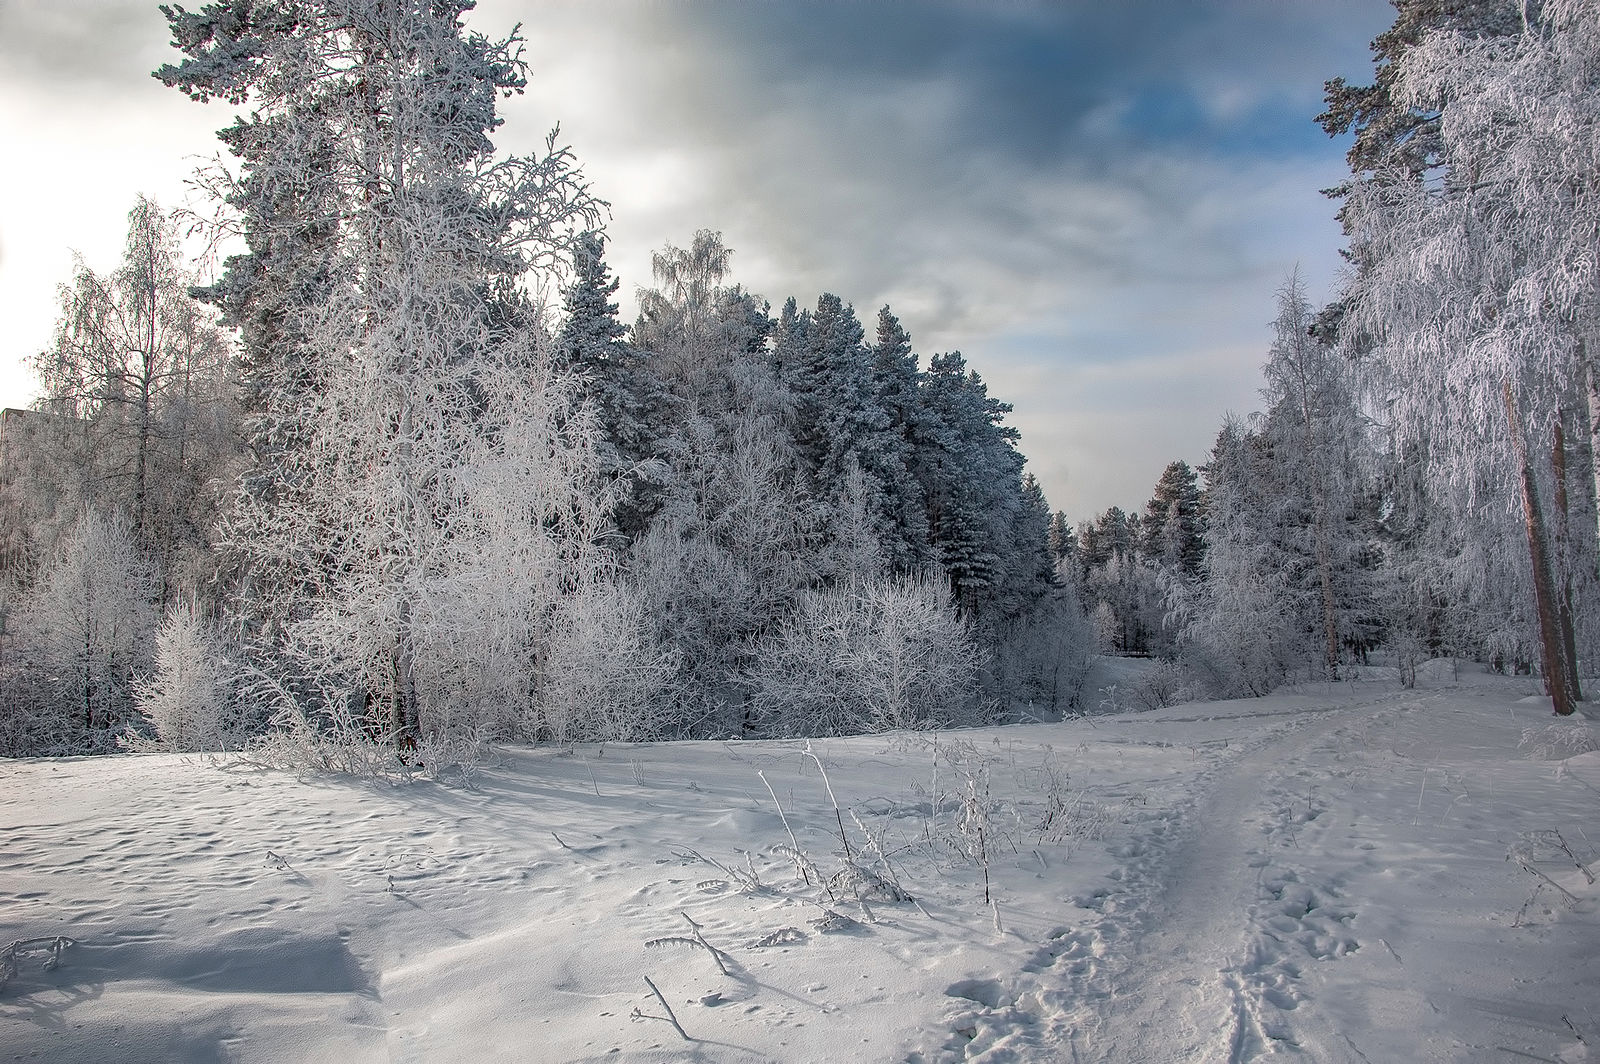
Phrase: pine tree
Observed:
(1063, 544)
(973, 479)
(1172, 532)
(895, 384)
(1393, 136)
(424, 489)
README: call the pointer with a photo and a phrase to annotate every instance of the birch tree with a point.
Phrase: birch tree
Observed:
(1479, 287)
(134, 395)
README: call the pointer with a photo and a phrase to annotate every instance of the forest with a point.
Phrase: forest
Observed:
(397, 483)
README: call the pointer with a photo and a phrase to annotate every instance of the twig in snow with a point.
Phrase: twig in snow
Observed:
(1561, 844)
(671, 1017)
(848, 856)
(781, 814)
(716, 954)
(698, 940)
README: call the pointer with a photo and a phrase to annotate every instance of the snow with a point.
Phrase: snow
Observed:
(1322, 874)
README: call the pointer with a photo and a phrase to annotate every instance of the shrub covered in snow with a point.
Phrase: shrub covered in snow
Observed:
(191, 698)
(868, 656)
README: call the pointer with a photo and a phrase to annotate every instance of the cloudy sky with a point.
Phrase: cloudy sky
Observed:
(1093, 199)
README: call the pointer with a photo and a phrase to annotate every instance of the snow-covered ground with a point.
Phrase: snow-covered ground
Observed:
(1321, 874)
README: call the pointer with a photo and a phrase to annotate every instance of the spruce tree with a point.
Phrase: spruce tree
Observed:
(629, 398)
(895, 379)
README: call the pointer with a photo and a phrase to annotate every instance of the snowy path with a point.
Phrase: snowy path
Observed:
(1167, 966)
(1193, 988)
(1262, 904)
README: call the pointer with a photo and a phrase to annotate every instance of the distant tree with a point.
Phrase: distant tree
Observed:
(135, 393)
(1171, 530)
(1063, 545)
(85, 632)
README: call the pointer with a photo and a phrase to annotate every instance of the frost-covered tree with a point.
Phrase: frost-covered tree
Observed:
(1315, 438)
(1248, 620)
(426, 487)
(136, 411)
(1477, 290)
(1392, 134)
(83, 633)
(191, 695)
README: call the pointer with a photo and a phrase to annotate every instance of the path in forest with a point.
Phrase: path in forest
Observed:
(1195, 953)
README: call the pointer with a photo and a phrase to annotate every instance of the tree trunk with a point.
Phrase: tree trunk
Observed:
(404, 702)
(1558, 464)
(1552, 645)
(1591, 375)
(1330, 613)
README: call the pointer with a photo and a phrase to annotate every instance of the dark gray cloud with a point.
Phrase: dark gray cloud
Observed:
(1095, 201)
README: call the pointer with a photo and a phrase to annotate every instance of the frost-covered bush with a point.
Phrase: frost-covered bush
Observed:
(868, 656)
(605, 669)
(1554, 742)
(190, 698)
(1042, 658)
(1163, 684)
(78, 638)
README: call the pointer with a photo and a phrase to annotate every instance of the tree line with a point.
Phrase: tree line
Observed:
(400, 477)
(399, 481)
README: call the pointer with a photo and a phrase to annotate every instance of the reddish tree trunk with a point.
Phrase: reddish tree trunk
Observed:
(1552, 645)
